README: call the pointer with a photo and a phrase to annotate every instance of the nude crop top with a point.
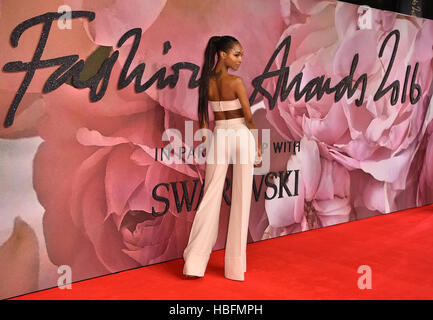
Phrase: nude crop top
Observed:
(225, 105)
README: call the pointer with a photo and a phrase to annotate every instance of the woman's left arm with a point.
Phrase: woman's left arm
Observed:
(241, 92)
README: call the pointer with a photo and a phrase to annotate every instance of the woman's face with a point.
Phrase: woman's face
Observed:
(233, 58)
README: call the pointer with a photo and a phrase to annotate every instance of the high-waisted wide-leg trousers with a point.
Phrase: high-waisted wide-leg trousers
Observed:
(231, 142)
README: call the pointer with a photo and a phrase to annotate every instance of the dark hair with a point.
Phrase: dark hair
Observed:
(214, 45)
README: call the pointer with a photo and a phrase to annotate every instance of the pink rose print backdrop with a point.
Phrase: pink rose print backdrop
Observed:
(82, 181)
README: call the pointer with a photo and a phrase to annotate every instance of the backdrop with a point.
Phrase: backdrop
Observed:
(340, 94)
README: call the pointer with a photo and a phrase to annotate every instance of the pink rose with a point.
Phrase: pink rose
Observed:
(377, 139)
(324, 194)
(95, 173)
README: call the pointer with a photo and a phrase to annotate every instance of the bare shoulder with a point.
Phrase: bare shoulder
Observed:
(241, 94)
(237, 83)
(235, 79)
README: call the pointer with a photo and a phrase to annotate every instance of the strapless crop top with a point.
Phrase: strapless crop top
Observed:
(225, 105)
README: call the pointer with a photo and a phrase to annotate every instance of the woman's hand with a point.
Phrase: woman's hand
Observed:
(203, 139)
(259, 157)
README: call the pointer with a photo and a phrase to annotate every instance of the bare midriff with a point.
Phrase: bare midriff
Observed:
(228, 114)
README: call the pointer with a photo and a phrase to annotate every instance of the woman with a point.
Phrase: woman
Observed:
(231, 142)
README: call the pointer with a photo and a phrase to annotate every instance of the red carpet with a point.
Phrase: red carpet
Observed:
(317, 264)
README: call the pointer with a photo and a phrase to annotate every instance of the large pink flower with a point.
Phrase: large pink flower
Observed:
(324, 194)
(378, 139)
(96, 173)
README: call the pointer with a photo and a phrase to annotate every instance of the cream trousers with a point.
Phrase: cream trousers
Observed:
(231, 142)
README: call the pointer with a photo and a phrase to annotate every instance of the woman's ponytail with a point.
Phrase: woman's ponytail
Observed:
(214, 45)
(209, 61)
